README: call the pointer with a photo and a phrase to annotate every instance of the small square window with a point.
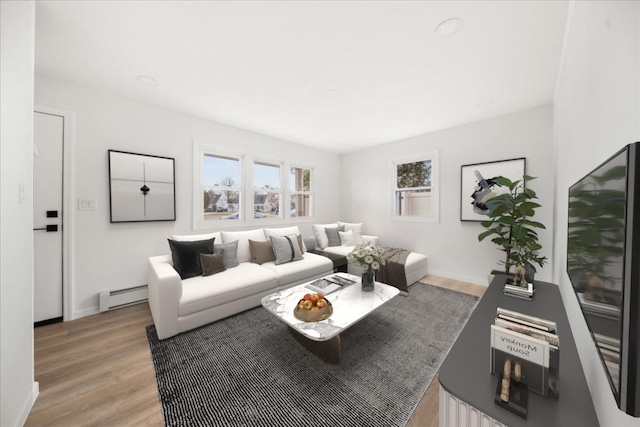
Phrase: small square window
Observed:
(415, 192)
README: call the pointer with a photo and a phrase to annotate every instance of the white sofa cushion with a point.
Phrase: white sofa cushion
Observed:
(244, 255)
(285, 231)
(321, 234)
(200, 293)
(339, 250)
(369, 239)
(356, 228)
(311, 265)
(196, 237)
(346, 238)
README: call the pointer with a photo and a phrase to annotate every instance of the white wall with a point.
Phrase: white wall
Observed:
(451, 245)
(17, 388)
(596, 112)
(109, 256)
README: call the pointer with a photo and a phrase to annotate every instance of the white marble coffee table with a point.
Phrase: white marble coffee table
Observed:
(350, 305)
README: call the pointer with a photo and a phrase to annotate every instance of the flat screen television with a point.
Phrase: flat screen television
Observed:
(603, 264)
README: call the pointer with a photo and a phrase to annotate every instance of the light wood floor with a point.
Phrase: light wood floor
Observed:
(97, 371)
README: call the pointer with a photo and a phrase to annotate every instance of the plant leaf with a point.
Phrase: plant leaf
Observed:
(503, 181)
(483, 235)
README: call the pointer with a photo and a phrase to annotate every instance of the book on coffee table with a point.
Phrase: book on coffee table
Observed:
(326, 285)
(323, 285)
(341, 280)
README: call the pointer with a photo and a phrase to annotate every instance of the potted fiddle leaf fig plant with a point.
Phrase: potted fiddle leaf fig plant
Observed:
(512, 229)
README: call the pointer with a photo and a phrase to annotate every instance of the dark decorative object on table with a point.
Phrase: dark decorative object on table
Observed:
(517, 399)
(368, 280)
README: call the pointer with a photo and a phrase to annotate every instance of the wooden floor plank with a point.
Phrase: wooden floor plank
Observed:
(97, 371)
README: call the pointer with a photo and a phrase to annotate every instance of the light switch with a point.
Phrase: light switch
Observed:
(87, 204)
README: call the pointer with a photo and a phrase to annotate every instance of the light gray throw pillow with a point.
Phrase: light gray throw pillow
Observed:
(333, 236)
(286, 248)
(230, 253)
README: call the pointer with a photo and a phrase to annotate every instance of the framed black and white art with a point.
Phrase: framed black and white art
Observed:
(477, 186)
(141, 187)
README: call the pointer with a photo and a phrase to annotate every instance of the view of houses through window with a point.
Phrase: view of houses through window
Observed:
(224, 190)
(266, 190)
(300, 187)
(222, 187)
(413, 195)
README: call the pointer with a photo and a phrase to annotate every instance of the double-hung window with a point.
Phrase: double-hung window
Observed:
(221, 187)
(237, 189)
(300, 192)
(415, 191)
(266, 190)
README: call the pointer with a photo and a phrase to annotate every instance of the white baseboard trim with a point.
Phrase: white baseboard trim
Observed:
(35, 392)
(28, 405)
(77, 314)
(482, 281)
(90, 311)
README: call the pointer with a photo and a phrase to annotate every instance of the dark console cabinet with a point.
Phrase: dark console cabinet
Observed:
(467, 388)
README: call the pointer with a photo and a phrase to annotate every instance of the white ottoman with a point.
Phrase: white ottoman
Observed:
(415, 268)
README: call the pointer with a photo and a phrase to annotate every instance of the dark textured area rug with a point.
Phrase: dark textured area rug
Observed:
(247, 370)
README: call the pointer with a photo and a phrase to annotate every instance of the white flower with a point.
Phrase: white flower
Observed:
(367, 255)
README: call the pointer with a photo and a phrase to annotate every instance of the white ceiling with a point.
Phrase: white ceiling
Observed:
(339, 76)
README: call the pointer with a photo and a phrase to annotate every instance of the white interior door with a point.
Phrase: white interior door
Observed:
(47, 216)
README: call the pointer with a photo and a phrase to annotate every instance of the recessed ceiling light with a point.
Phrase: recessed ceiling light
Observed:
(485, 103)
(146, 80)
(448, 27)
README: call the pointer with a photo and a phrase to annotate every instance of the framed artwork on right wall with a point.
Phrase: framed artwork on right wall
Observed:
(476, 185)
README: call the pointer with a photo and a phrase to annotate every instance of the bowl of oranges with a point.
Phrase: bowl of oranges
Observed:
(313, 308)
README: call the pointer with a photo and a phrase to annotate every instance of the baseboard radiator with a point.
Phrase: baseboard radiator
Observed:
(110, 300)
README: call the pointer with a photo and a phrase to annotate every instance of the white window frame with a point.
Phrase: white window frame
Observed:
(292, 192)
(245, 217)
(433, 156)
(254, 189)
(199, 223)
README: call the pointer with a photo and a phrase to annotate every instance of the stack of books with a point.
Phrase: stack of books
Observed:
(519, 291)
(530, 343)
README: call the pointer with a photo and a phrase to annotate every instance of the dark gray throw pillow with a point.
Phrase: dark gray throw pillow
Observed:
(333, 236)
(230, 253)
(186, 256)
(212, 263)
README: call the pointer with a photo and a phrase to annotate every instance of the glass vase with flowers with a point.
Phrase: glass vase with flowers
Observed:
(369, 257)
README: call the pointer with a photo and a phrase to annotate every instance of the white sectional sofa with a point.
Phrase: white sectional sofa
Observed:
(178, 305)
